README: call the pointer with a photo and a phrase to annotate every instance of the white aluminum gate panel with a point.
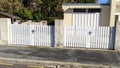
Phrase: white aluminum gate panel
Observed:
(34, 35)
(88, 37)
(86, 19)
(44, 35)
(75, 37)
(101, 37)
(20, 34)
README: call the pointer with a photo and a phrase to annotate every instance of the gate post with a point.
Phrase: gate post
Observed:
(5, 31)
(59, 33)
(117, 36)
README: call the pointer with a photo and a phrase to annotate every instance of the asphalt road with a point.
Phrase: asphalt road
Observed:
(62, 55)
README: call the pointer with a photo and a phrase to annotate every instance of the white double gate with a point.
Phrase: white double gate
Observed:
(89, 37)
(74, 37)
(34, 35)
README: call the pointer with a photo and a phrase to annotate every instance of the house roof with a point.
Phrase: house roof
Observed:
(9, 15)
(81, 5)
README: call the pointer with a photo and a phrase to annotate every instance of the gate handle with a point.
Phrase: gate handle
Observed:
(89, 32)
(33, 31)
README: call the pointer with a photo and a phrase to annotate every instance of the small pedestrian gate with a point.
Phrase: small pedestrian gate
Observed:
(89, 37)
(34, 35)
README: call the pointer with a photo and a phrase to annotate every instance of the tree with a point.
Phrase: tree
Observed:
(17, 4)
(6, 6)
(37, 9)
(25, 13)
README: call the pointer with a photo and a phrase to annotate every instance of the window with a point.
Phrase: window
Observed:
(79, 10)
(87, 10)
(94, 10)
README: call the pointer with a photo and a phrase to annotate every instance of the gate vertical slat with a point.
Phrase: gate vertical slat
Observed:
(40, 36)
(98, 46)
(14, 35)
(104, 37)
(46, 37)
(35, 43)
(106, 29)
(95, 20)
(49, 35)
(101, 43)
(108, 37)
(101, 32)
(43, 36)
(82, 23)
(99, 38)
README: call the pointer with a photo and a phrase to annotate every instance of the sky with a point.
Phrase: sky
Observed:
(102, 1)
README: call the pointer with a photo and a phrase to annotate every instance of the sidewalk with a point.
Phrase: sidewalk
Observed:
(61, 55)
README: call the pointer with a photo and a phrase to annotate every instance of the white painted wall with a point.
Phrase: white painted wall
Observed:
(117, 0)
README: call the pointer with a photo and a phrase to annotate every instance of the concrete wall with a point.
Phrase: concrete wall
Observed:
(117, 7)
(68, 17)
(4, 30)
(117, 36)
(112, 12)
(59, 33)
(105, 16)
(117, 32)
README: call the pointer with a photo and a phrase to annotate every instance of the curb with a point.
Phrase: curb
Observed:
(41, 62)
(65, 48)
